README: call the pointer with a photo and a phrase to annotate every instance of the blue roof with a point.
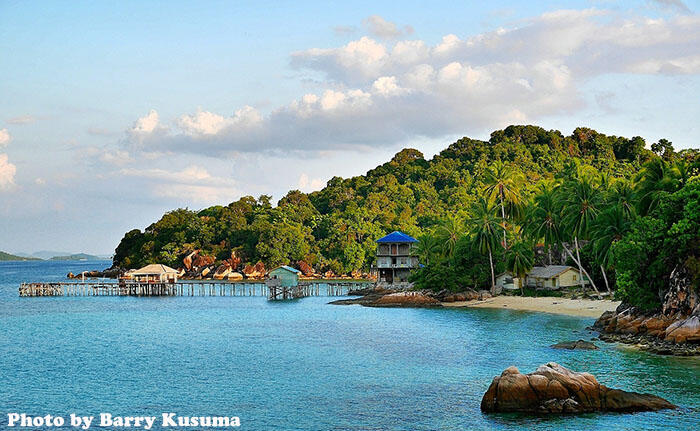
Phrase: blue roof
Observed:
(288, 268)
(397, 236)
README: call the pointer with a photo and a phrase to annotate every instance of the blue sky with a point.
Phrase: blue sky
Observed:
(114, 112)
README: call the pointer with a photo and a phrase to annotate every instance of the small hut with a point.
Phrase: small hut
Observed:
(286, 276)
(155, 273)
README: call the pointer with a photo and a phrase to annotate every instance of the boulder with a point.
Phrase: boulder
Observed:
(575, 345)
(187, 261)
(202, 260)
(222, 272)
(683, 331)
(555, 389)
(255, 271)
(306, 269)
(406, 299)
(329, 274)
(234, 276)
(205, 272)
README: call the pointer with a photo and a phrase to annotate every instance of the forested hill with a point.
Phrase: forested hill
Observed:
(335, 228)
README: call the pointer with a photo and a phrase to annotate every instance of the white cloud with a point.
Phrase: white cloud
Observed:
(383, 29)
(147, 123)
(22, 119)
(7, 173)
(381, 93)
(5, 137)
(191, 184)
(307, 185)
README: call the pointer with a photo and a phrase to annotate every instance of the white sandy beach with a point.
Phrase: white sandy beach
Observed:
(572, 307)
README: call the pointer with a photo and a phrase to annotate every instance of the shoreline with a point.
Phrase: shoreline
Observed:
(553, 305)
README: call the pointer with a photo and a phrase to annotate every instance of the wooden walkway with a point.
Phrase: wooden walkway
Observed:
(187, 288)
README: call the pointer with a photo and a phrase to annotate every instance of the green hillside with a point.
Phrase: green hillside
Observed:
(11, 257)
(441, 198)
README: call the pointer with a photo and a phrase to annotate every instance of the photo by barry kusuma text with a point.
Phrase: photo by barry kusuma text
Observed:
(111, 421)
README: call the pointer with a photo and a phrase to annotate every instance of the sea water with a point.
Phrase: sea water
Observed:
(300, 364)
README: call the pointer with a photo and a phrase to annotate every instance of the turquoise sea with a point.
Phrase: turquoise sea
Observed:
(300, 365)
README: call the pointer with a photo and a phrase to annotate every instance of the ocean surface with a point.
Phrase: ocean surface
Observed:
(302, 364)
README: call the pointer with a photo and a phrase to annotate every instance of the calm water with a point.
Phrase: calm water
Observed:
(300, 365)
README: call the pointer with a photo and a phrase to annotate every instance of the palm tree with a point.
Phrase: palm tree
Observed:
(486, 230)
(608, 228)
(656, 178)
(503, 183)
(427, 248)
(544, 218)
(623, 195)
(520, 258)
(579, 202)
(449, 233)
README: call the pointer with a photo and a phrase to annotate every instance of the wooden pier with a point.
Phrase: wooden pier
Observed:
(191, 288)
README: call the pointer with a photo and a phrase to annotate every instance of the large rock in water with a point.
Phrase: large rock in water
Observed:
(406, 299)
(555, 389)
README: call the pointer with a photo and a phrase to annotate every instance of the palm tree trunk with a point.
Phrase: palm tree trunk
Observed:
(503, 219)
(493, 275)
(522, 290)
(581, 268)
(578, 261)
(605, 277)
(549, 252)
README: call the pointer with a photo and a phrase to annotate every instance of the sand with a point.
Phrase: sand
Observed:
(571, 307)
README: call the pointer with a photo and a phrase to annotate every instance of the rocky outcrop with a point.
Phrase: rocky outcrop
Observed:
(256, 271)
(306, 269)
(575, 345)
(114, 272)
(674, 329)
(555, 389)
(406, 299)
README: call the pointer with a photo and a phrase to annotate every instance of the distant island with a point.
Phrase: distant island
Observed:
(77, 256)
(4, 257)
(46, 255)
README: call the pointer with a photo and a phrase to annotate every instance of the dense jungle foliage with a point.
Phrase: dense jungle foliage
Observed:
(478, 208)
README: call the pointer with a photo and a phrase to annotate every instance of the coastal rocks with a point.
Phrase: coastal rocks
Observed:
(467, 295)
(575, 345)
(672, 330)
(113, 272)
(256, 271)
(676, 334)
(555, 389)
(306, 269)
(222, 272)
(683, 331)
(406, 299)
(234, 276)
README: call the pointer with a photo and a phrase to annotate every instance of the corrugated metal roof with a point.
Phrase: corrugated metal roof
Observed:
(548, 271)
(397, 236)
(288, 268)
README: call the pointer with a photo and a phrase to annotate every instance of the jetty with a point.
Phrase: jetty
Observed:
(272, 290)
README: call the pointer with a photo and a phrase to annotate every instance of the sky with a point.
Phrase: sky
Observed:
(112, 113)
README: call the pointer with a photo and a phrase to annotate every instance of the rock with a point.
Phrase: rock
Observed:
(484, 294)
(205, 272)
(329, 274)
(256, 271)
(306, 269)
(683, 331)
(201, 260)
(70, 275)
(406, 299)
(234, 276)
(187, 261)
(222, 272)
(575, 345)
(555, 389)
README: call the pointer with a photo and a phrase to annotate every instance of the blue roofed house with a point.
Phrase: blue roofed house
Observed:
(395, 258)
